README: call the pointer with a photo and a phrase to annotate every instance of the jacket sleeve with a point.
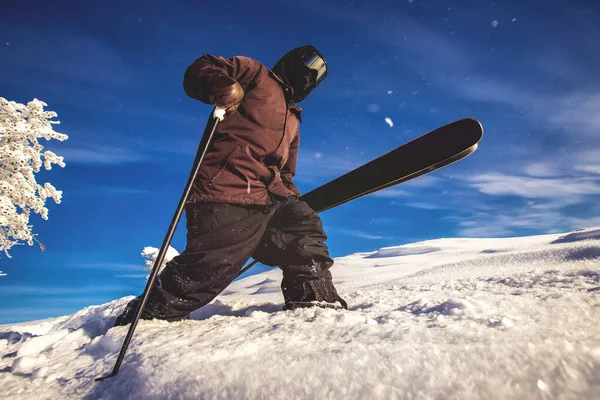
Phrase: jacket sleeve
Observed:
(289, 169)
(199, 78)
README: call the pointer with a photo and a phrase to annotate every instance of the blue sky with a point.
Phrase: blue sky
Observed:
(113, 72)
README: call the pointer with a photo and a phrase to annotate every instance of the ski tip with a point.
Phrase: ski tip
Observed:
(477, 122)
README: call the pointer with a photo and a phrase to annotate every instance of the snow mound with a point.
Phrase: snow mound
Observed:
(582, 234)
(263, 282)
(403, 251)
(448, 318)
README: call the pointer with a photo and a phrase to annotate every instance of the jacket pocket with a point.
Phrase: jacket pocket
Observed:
(223, 165)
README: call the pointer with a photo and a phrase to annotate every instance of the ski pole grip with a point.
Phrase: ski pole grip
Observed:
(219, 113)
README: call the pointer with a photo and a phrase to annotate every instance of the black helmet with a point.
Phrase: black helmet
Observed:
(303, 68)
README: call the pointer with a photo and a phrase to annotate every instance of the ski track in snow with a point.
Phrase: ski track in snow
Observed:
(449, 318)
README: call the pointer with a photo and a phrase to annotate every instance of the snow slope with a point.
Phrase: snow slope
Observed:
(450, 318)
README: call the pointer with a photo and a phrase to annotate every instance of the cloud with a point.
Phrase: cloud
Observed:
(424, 181)
(410, 188)
(428, 206)
(576, 110)
(391, 193)
(102, 155)
(591, 169)
(110, 266)
(357, 233)
(24, 290)
(587, 161)
(485, 231)
(388, 221)
(542, 169)
(563, 163)
(121, 190)
(360, 234)
(16, 314)
(314, 166)
(512, 222)
(109, 191)
(528, 187)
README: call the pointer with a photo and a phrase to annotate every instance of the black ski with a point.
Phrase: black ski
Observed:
(427, 153)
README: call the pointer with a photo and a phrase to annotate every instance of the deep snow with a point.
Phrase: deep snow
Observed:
(447, 318)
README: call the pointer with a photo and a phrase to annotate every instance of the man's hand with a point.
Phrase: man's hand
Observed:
(227, 93)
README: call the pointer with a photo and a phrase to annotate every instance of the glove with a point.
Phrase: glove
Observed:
(227, 93)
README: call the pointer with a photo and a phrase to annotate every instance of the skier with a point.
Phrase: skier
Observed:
(244, 203)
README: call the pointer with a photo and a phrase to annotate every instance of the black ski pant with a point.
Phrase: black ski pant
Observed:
(222, 237)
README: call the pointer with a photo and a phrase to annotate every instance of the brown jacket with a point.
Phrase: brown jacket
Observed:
(253, 154)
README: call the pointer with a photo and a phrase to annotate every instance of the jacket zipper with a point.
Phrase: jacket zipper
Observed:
(284, 127)
(287, 109)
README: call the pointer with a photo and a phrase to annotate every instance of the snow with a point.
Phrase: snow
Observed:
(448, 318)
(389, 122)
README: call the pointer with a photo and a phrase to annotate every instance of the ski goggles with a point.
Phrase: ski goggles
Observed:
(316, 63)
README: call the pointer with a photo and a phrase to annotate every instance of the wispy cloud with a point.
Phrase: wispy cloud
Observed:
(122, 190)
(484, 230)
(132, 276)
(111, 266)
(587, 161)
(103, 155)
(529, 187)
(16, 314)
(108, 191)
(357, 233)
(509, 222)
(313, 165)
(424, 181)
(392, 193)
(577, 110)
(542, 169)
(22, 290)
(360, 234)
(427, 206)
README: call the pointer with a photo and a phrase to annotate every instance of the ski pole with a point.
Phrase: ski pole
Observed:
(217, 115)
(246, 268)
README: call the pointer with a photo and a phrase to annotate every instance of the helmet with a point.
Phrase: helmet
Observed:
(302, 68)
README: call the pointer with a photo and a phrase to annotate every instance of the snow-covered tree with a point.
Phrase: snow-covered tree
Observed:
(151, 253)
(21, 157)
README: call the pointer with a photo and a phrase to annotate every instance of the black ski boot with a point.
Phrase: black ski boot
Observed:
(300, 292)
(126, 316)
